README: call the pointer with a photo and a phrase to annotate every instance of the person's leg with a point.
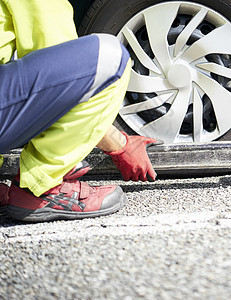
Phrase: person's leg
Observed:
(37, 90)
(53, 153)
(53, 81)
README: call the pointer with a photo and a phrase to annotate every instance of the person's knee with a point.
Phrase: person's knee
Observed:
(112, 62)
(112, 57)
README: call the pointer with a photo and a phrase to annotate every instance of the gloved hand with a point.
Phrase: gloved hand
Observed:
(132, 160)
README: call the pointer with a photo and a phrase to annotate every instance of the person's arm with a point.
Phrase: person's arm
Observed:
(113, 140)
(129, 154)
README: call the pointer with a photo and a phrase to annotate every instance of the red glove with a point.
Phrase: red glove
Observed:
(132, 160)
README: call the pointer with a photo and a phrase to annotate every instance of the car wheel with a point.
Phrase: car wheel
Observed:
(180, 86)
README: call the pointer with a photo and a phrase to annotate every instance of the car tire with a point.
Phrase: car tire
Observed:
(108, 16)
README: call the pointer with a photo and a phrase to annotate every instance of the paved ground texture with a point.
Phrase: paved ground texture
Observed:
(171, 241)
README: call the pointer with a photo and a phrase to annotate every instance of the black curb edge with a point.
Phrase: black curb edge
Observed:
(168, 160)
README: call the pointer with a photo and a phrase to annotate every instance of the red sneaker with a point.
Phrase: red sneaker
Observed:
(3, 196)
(71, 200)
(78, 171)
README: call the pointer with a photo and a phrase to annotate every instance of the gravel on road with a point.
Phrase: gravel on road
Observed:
(171, 241)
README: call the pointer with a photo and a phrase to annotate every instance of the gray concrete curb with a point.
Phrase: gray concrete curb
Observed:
(171, 160)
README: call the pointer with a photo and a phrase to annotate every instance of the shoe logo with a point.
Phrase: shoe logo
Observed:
(65, 202)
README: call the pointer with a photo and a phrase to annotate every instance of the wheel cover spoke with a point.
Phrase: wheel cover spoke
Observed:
(188, 30)
(215, 68)
(141, 55)
(149, 104)
(146, 84)
(214, 42)
(174, 118)
(219, 97)
(197, 116)
(165, 16)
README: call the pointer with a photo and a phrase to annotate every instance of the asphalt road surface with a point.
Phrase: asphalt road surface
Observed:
(171, 241)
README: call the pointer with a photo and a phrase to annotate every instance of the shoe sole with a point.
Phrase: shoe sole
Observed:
(49, 214)
(2, 210)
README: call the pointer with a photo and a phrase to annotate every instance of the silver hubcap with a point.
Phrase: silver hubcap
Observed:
(180, 86)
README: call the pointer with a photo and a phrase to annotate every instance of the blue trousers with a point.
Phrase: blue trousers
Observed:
(38, 89)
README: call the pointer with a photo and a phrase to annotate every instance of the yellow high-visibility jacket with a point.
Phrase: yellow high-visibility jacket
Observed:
(28, 25)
